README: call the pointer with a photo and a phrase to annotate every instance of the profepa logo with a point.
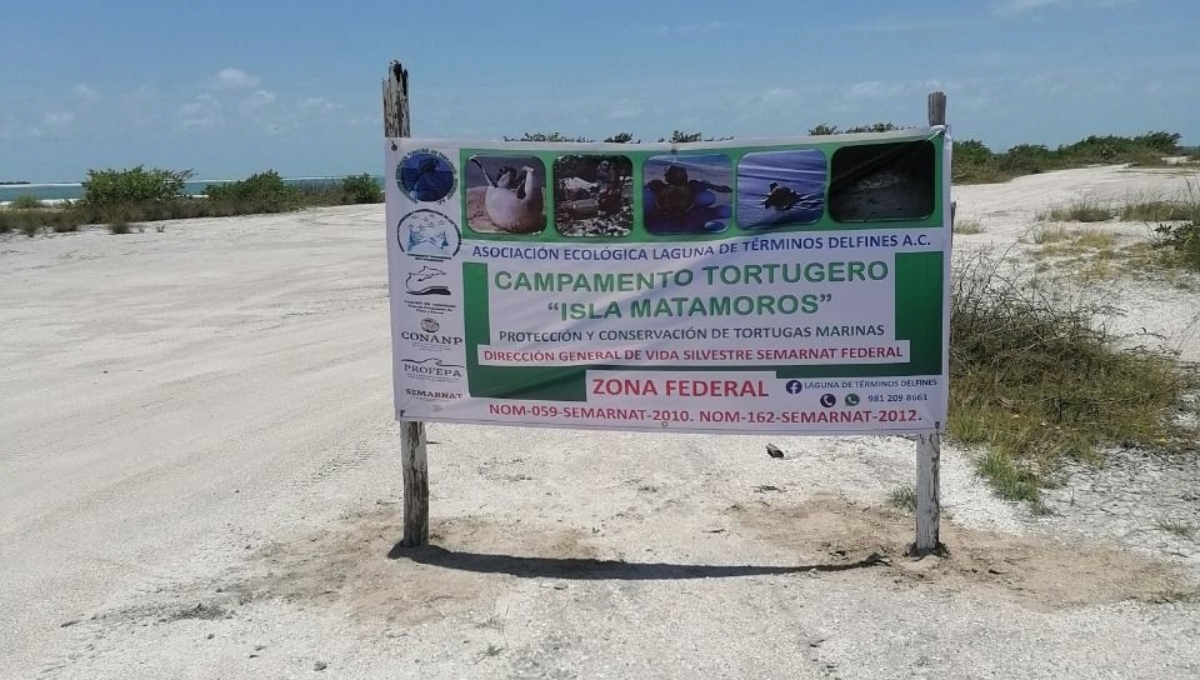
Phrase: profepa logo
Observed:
(428, 235)
(433, 368)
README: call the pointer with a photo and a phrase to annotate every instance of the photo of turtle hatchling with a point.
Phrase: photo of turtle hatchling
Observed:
(780, 188)
(593, 195)
(893, 181)
(505, 194)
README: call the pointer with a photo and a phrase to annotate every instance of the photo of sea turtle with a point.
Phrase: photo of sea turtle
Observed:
(781, 188)
(892, 181)
(687, 193)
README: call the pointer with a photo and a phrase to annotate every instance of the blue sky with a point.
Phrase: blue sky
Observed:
(230, 88)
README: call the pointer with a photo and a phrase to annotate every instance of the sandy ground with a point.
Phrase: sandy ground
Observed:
(199, 479)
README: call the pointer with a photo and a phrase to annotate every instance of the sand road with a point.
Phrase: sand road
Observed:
(199, 476)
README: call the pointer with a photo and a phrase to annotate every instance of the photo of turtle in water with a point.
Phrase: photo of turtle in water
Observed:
(688, 194)
(593, 195)
(781, 188)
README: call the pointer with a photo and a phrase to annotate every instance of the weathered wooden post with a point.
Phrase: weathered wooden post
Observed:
(412, 434)
(929, 444)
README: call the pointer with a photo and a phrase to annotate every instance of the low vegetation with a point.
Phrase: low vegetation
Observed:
(25, 203)
(1173, 246)
(1181, 208)
(1083, 210)
(903, 498)
(1035, 383)
(1179, 529)
(968, 227)
(1179, 244)
(974, 162)
(264, 192)
(123, 198)
(1161, 211)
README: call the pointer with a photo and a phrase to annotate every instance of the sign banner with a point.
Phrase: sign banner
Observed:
(796, 286)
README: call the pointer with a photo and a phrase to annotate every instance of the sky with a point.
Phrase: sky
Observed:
(230, 88)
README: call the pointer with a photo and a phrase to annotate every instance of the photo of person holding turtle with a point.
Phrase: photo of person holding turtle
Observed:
(593, 195)
(690, 194)
(781, 188)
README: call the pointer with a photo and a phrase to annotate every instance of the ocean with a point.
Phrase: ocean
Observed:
(74, 191)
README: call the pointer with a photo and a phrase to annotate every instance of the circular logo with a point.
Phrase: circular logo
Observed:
(794, 387)
(428, 234)
(828, 400)
(852, 399)
(430, 325)
(426, 176)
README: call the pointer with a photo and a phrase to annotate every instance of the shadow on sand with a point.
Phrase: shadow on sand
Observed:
(598, 570)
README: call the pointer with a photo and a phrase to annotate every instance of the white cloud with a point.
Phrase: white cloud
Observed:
(85, 93)
(236, 79)
(624, 109)
(257, 102)
(1016, 7)
(319, 104)
(874, 89)
(1020, 6)
(879, 89)
(914, 25)
(54, 125)
(779, 95)
(140, 107)
(691, 29)
(58, 119)
(201, 114)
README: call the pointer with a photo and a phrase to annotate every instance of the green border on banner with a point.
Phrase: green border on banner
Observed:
(919, 281)
(639, 155)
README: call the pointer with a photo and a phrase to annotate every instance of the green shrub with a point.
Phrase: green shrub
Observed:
(263, 192)
(1026, 159)
(133, 186)
(361, 189)
(1183, 240)
(25, 203)
(6, 223)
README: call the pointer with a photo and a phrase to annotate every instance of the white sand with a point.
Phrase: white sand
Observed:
(198, 476)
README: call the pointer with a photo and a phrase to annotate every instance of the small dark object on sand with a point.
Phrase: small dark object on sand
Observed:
(774, 451)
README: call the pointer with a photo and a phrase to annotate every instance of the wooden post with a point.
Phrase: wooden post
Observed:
(929, 444)
(929, 502)
(412, 435)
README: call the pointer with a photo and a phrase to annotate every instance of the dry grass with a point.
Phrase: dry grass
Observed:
(1082, 210)
(968, 227)
(1035, 383)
